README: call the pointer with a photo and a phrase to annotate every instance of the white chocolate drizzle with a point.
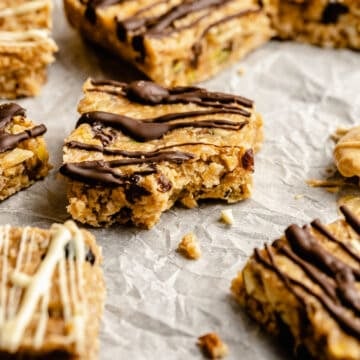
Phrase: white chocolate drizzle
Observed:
(34, 290)
(26, 36)
(23, 8)
(16, 275)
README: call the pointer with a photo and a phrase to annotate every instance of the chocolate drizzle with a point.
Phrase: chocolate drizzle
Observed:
(197, 48)
(136, 27)
(101, 172)
(316, 224)
(8, 111)
(352, 220)
(338, 292)
(163, 24)
(145, 131)
(151, 94)
(11, 141)
(140, 156)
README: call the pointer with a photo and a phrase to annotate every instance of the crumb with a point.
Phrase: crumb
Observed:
(240, 71)
(298, 196)
(212, 346)
(189, 247)
(227, 216)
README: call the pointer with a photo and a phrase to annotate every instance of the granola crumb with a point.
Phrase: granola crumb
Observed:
(227, 217)
(189, 247)
(212, 346)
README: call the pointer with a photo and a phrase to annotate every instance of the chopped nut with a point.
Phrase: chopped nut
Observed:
(189, 247)
(212, 346)
(298, 196)
(227, 216)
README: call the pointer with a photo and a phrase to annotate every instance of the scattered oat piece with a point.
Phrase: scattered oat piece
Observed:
(212, 346)
(227, 216)
(298, 196)
(189, 247)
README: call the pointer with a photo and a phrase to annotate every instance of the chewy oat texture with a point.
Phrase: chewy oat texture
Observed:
(138, 148)
(174, 42)
(26, 48)
(51, 293)
(23, 153)
(307, 285)
(326, 23)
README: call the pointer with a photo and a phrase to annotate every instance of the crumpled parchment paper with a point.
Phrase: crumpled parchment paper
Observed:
(158, 303)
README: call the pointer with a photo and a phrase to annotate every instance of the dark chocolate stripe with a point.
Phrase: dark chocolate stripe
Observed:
(316, 224)
(351, 219)
(344, 279)
(145, 131)
(308, 248)
(11, 141)
(190, 114)
(176, 157)
(197, 48)
(134, 154)
(346, 321)
(99, 173)
(8, 111)
(149, 93)
(339, 288)
(160, 24)
(311, 271)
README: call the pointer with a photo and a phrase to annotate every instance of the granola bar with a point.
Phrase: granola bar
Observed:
(51, 293)
(326, 23)
(138, 148)
(26, 48)
(305, 286)
(24, 158)
(173, 42)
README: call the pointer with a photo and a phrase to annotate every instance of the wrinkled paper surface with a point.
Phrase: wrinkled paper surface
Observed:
(158, 303)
